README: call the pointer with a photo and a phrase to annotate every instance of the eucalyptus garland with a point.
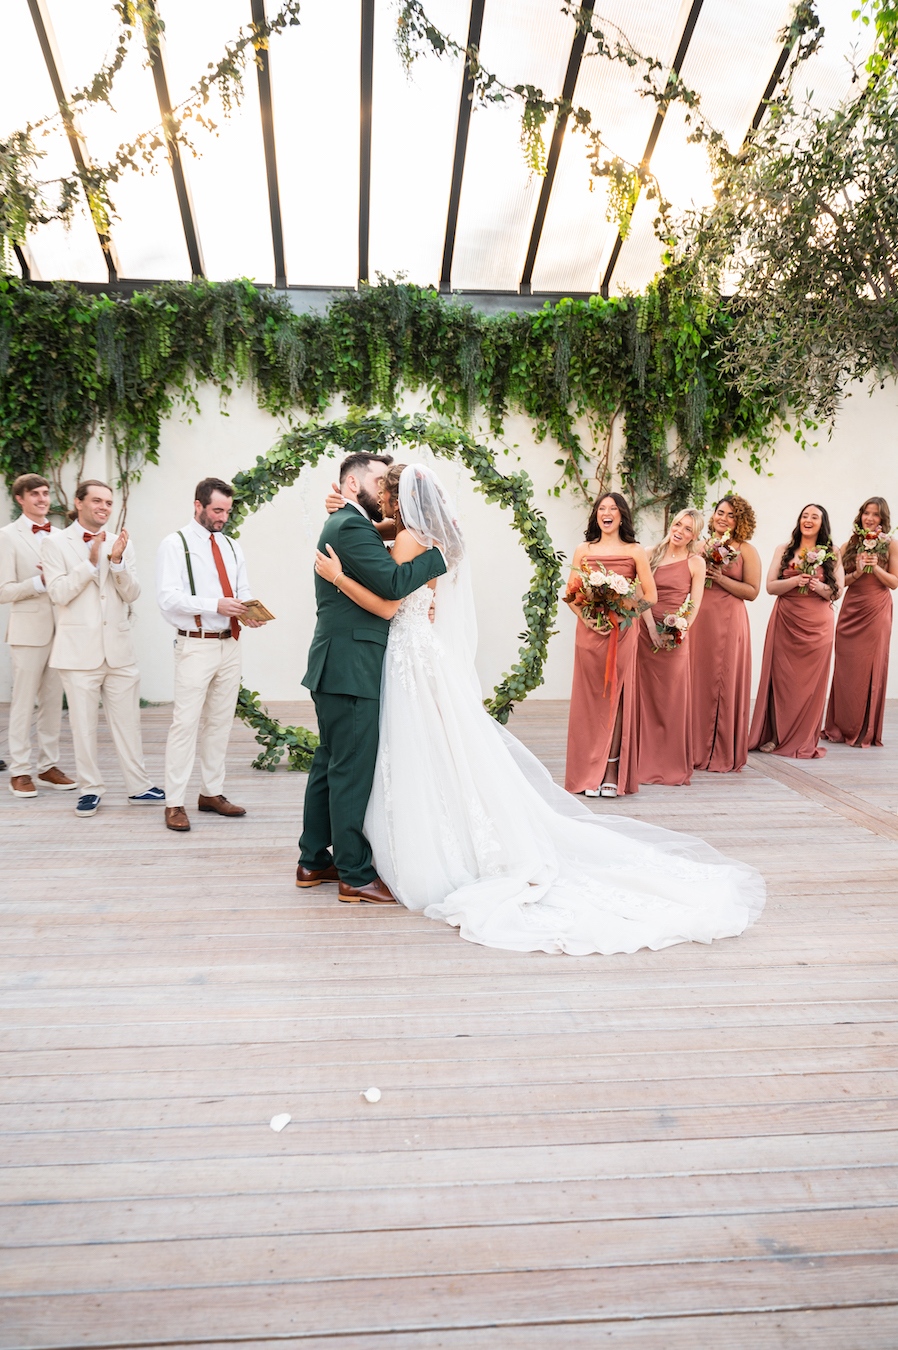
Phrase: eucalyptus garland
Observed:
(380, 434)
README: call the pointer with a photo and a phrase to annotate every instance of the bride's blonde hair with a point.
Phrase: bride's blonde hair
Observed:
(698, 524)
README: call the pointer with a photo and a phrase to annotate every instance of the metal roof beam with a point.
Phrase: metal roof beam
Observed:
(679, 58)
(365, 112)
(47, 39)
(266, 112)
(475, 26)
(182, 187)
(545, 192)
(771, 88)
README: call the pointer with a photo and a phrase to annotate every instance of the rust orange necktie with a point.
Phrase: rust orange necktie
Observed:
(225, 584)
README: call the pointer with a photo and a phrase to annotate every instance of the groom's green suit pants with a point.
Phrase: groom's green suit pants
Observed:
(339, 785)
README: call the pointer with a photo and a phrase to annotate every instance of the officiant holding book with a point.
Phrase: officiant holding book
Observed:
(203, 592)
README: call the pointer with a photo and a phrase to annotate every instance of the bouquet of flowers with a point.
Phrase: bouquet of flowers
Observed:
(600, 597)
(673, 626)
(809, 559)
(720, 553)
(873, 541)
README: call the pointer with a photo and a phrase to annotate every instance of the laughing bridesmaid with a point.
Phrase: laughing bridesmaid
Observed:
(720, 644)
(665, 683)
(601, 746)
(788, 716)
(857, 698)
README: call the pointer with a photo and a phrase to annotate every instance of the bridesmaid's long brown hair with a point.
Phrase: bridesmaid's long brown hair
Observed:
(593, 533)
(885, 523)
(824, 540)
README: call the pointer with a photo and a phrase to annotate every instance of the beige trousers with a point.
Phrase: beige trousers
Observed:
(207, 681)
(119, 689)
(33, 679)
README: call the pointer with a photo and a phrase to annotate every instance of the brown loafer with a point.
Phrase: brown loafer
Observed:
(220, 805)
(55, 778)
(373, 893)
(176, 818)
(305, 876)
(22, 786)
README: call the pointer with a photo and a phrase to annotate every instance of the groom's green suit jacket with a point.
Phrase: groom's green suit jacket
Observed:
(347, 651)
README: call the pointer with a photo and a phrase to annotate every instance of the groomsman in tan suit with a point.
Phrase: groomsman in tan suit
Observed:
(201, 585)
(30, 637)
(93, 583)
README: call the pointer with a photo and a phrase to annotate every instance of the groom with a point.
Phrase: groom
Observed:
(345, 661)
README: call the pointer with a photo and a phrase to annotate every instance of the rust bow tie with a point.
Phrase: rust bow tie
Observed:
(36, 529)
(87, 536)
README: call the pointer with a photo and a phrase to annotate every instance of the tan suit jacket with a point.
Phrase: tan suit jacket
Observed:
(31, 614)
(93, 623)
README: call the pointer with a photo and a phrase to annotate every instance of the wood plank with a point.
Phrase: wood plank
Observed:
(865, 814)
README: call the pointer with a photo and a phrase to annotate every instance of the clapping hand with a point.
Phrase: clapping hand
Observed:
(118, 548)
(95, 545)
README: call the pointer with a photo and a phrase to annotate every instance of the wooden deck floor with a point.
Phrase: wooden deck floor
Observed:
(693, 1148)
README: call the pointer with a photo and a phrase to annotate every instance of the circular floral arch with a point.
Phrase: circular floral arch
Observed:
(378, 434)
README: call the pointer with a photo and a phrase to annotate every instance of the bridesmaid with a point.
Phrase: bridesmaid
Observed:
(665, 679)
(720, 645)
(601, 746)
(792, 692)
(857, 698)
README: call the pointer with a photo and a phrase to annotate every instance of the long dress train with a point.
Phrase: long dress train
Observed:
(595, 700)
(794, 675)
(468, 826)
(857, 699)
(665, 689)
(720, 656)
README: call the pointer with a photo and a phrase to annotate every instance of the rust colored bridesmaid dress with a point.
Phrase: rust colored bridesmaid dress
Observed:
(794, 674)
(665, 686)
(857, 699)
(593, 714)
(720, 653)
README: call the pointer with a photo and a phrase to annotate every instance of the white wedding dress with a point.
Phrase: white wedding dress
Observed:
(468, 826)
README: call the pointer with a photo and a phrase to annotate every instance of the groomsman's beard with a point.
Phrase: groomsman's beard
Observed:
(369, 504)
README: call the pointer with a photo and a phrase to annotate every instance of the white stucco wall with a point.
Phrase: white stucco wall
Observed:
(859, 459)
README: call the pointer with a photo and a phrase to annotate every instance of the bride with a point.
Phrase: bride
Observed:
(467, 826)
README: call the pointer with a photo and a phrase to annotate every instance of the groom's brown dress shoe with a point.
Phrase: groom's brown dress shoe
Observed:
(373, 893)
(306, 877)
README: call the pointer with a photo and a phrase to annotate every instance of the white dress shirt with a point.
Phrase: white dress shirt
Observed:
(178, 606)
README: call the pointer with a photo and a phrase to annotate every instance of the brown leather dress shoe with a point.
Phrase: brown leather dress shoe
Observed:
(305, 876)
(176, 819)
(373, 893)
(22, 786)
(55, 778)
(220, 805)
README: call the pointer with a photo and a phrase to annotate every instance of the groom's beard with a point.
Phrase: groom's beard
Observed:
(369, 504)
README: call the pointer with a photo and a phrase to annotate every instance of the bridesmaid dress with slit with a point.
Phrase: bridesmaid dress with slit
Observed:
(593, 710)
(857, 699)
(720, 653)
(665, 689)
(794, 674)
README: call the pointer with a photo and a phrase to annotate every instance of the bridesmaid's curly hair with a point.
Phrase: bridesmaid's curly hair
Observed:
(824, 540)
(594, 530)
(885, 524)
(745, 517)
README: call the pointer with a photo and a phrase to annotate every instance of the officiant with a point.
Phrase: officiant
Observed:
(202, 590)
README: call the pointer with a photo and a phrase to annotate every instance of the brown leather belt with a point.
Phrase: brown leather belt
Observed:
(219, 637)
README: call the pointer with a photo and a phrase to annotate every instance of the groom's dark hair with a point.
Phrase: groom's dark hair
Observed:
(361, 463)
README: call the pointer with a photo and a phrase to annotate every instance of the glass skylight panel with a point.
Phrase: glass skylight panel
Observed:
(26, 95)
(577, 238)
(148, 234)
(825, 79)
(316, 95)
(522, 41)
(412, 148)
(228, 180)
